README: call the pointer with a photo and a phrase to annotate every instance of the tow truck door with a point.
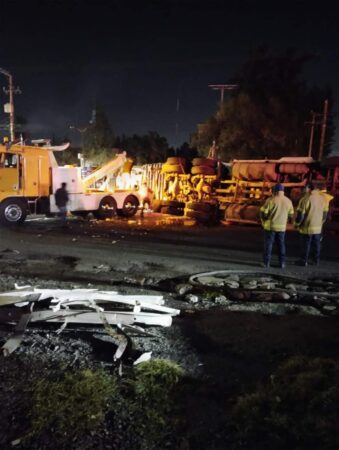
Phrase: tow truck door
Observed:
(10, 180)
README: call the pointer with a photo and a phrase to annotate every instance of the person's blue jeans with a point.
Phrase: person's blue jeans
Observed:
(269, 238)
(311, 242)
(62, 213)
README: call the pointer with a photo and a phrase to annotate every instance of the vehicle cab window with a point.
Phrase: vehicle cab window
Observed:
(8, 160)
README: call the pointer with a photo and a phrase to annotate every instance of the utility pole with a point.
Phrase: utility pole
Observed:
(315, 121)
(222, 88)
(323, 130)
(81, 131)
(311, 134)
(177, 122)
(11, 91)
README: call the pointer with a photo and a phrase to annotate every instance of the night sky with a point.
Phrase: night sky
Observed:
(137, 59)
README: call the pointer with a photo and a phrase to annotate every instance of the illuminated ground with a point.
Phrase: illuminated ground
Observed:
(235, 351)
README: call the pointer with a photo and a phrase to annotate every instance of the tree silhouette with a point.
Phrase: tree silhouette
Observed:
(266, 116)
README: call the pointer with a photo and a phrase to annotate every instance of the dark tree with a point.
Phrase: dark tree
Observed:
(266, 115)
(187, 151)
(98, 138)
(149, 148)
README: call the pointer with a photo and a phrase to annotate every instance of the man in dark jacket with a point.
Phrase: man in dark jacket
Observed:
(61, 200)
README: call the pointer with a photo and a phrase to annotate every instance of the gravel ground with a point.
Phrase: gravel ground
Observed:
(43, 353)
(225, 346)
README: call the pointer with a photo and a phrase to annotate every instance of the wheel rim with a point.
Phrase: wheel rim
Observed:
(13, 213)
(107, 209)
(130, 206)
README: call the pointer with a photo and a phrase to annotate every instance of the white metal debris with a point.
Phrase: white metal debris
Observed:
(81, 306)
(143, 358)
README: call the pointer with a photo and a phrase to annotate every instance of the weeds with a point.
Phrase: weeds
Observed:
(297, 408)
(73, 405)
(137, 409)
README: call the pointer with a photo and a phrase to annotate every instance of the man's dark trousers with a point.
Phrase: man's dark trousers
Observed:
(270, 237)
(309, 241)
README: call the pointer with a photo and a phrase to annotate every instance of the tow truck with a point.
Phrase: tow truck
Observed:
(30, 175)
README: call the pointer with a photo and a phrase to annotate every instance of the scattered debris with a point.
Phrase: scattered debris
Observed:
(144, 357)
(246, 291)
(192, 298)
(183, 288)
(81, 306)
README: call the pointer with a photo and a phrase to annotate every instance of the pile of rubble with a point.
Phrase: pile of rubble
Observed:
(271, 293)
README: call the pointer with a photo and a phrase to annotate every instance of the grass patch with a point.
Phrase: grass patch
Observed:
(137, 409)
(73, 405)
(297, 408)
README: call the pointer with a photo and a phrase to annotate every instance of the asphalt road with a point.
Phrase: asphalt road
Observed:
(155, 244)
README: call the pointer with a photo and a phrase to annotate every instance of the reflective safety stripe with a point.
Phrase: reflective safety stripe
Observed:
(310, 230)
(269, 226)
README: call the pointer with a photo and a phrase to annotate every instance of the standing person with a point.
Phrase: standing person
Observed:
(311, 214)
(61, 200)
(274, 214)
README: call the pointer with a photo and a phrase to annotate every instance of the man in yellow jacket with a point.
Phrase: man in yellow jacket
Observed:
(274, 214)
(312, 212)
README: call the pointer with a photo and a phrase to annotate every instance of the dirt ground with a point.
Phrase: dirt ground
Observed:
(229, 352)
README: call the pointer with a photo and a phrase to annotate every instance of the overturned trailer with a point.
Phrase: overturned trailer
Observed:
(209, 190)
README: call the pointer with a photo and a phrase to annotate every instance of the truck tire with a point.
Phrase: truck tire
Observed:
(200, 206)
(173, 203)
(204, 162)
(176, 160)
(172, 168)
(172, 210)
(202, 170)
(207, 214)
(201, 216)
(13, 212)
(129, 207)
(107, 208)
(251, 212)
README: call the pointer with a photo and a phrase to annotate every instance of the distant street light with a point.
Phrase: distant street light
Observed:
(10, 109)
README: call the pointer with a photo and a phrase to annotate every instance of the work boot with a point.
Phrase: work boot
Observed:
(301, 262)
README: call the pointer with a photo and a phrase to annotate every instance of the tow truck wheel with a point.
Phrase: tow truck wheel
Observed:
(129, 207)
(107, 209)
(12, 212)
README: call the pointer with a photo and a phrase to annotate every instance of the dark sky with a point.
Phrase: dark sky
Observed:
(137, 58)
